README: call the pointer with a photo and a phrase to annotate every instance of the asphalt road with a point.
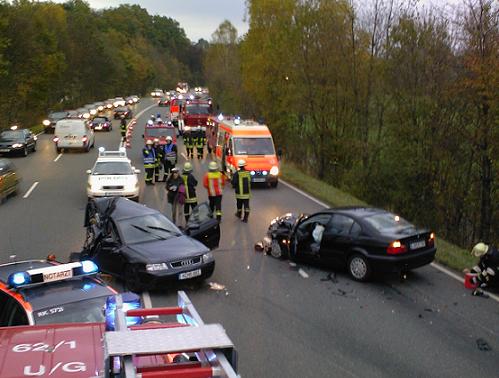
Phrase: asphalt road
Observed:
(285, 321)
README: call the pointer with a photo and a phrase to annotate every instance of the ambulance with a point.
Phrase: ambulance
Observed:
(233, 139)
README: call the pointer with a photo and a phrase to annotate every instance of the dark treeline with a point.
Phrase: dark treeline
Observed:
(393, 103)
(55, 56)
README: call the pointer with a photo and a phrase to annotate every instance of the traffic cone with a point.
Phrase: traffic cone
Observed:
(468, 281)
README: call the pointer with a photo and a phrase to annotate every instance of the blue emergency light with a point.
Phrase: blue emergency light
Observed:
(89, 267)
(131, 301)
(19, 279)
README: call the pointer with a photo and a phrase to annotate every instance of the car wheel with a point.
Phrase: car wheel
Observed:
(34, 147)
(359, 268)
(132, 280)
(275, 249)
(58, 150)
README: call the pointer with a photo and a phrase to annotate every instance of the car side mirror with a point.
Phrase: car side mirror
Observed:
(89, 171)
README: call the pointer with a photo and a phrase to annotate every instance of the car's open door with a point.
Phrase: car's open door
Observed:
(203, 227)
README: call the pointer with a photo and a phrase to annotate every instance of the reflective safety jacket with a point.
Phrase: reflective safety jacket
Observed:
(214, 183)
(159, 154)
(188, 140)
(149, 155)
(190, 183)
(241, 181)
(170, 153)
(123, 128)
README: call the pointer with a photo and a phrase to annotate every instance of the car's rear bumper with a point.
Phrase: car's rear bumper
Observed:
(387, 264)
(158, 279)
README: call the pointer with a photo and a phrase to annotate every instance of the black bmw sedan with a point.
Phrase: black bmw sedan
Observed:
(144, 248)
(364, 240)
(17, 141)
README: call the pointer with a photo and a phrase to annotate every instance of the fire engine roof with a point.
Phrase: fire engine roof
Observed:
(61, 350)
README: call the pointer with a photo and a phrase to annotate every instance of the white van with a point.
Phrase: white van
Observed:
(73, 133)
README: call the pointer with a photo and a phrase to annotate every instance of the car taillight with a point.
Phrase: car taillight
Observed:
(396, 248)
(431, 240)
(84, 139)
(56, 139)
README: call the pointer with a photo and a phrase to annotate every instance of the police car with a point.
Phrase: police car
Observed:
(46, 292)
(113, 176)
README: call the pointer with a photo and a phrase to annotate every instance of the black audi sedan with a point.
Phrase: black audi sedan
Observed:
(363, 240)
(144, 248)
(17, 141)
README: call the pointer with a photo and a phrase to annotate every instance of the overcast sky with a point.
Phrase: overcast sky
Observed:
(199, 18)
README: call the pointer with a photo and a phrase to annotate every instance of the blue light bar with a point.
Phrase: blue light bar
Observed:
(131, 301)
(19, 279)
(88, 267)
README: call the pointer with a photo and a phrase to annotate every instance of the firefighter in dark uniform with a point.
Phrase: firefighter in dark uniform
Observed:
(149, 155)
(123, 128)
(190, 184)
(241, 182)
(159, 159)
(189, 143)
(200, 142)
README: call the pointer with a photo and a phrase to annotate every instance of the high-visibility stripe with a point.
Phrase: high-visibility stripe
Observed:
(214, 183)
(244, 184)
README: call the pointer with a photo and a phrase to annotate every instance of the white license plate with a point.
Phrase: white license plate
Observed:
(419, 244)
(191, 274)
(259, 179)
(110, 194)
(57, 276)
(4, 150)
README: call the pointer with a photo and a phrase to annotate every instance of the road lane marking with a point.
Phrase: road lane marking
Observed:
(302, 273)
(35, 184)
(435, 265)
(58, 157)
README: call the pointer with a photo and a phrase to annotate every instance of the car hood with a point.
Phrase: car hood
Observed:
(160, 251)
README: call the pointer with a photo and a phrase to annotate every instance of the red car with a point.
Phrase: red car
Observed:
(160, 132)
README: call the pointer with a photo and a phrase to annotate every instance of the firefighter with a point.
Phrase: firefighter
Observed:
(190, 184)
(149, 155)
(200, 142)
(241, 182)
(123, 128)
(159, 159)
(169, 156)
(214, 182)
(189, 145)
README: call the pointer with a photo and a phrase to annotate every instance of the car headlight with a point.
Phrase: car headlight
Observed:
(156, 267)
(274, 171)
(252, 173)
(208, 256)
(17, 145)
(46, 122)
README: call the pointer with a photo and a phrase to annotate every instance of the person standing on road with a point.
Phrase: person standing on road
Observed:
(190, 184)
(175, 187)
(123, 128)
(149, 156)
(214, 182)
(241, 182)
(189, 143)
(169, 156)
(159, 159)
(200, 142)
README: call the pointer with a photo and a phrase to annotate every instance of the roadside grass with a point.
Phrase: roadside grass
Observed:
(447, 254)
(37, 129)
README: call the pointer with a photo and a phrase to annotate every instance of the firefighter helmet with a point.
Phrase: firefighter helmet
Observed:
(156, 140)
(241, 163)
(149, 142)
(188, 167)
(213, 166)
(479, 249)
(169, 138)
(150, 122)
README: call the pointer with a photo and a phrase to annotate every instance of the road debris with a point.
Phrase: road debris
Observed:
(292, 264)
(483, 345)
(302, 273)
(216, 286)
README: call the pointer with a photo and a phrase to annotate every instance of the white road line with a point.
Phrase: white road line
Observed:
(437, 266)
(57, 158)
(302, 273)
(40, 133)
(184, 156)
(35, 184)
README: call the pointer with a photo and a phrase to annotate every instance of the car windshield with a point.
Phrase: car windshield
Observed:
(388, 223)
(198, 109)
(253, 146)
(99, 120)
(58, 115)
(11, 135)
(86, 311)
(160, 132)
(113, 168)
(147, 228)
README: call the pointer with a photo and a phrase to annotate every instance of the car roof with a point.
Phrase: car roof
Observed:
(356, 211)
(124, 208)
(109, 159)
(54, 293)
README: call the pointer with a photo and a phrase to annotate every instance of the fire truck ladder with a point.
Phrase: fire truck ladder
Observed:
(215, 355)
